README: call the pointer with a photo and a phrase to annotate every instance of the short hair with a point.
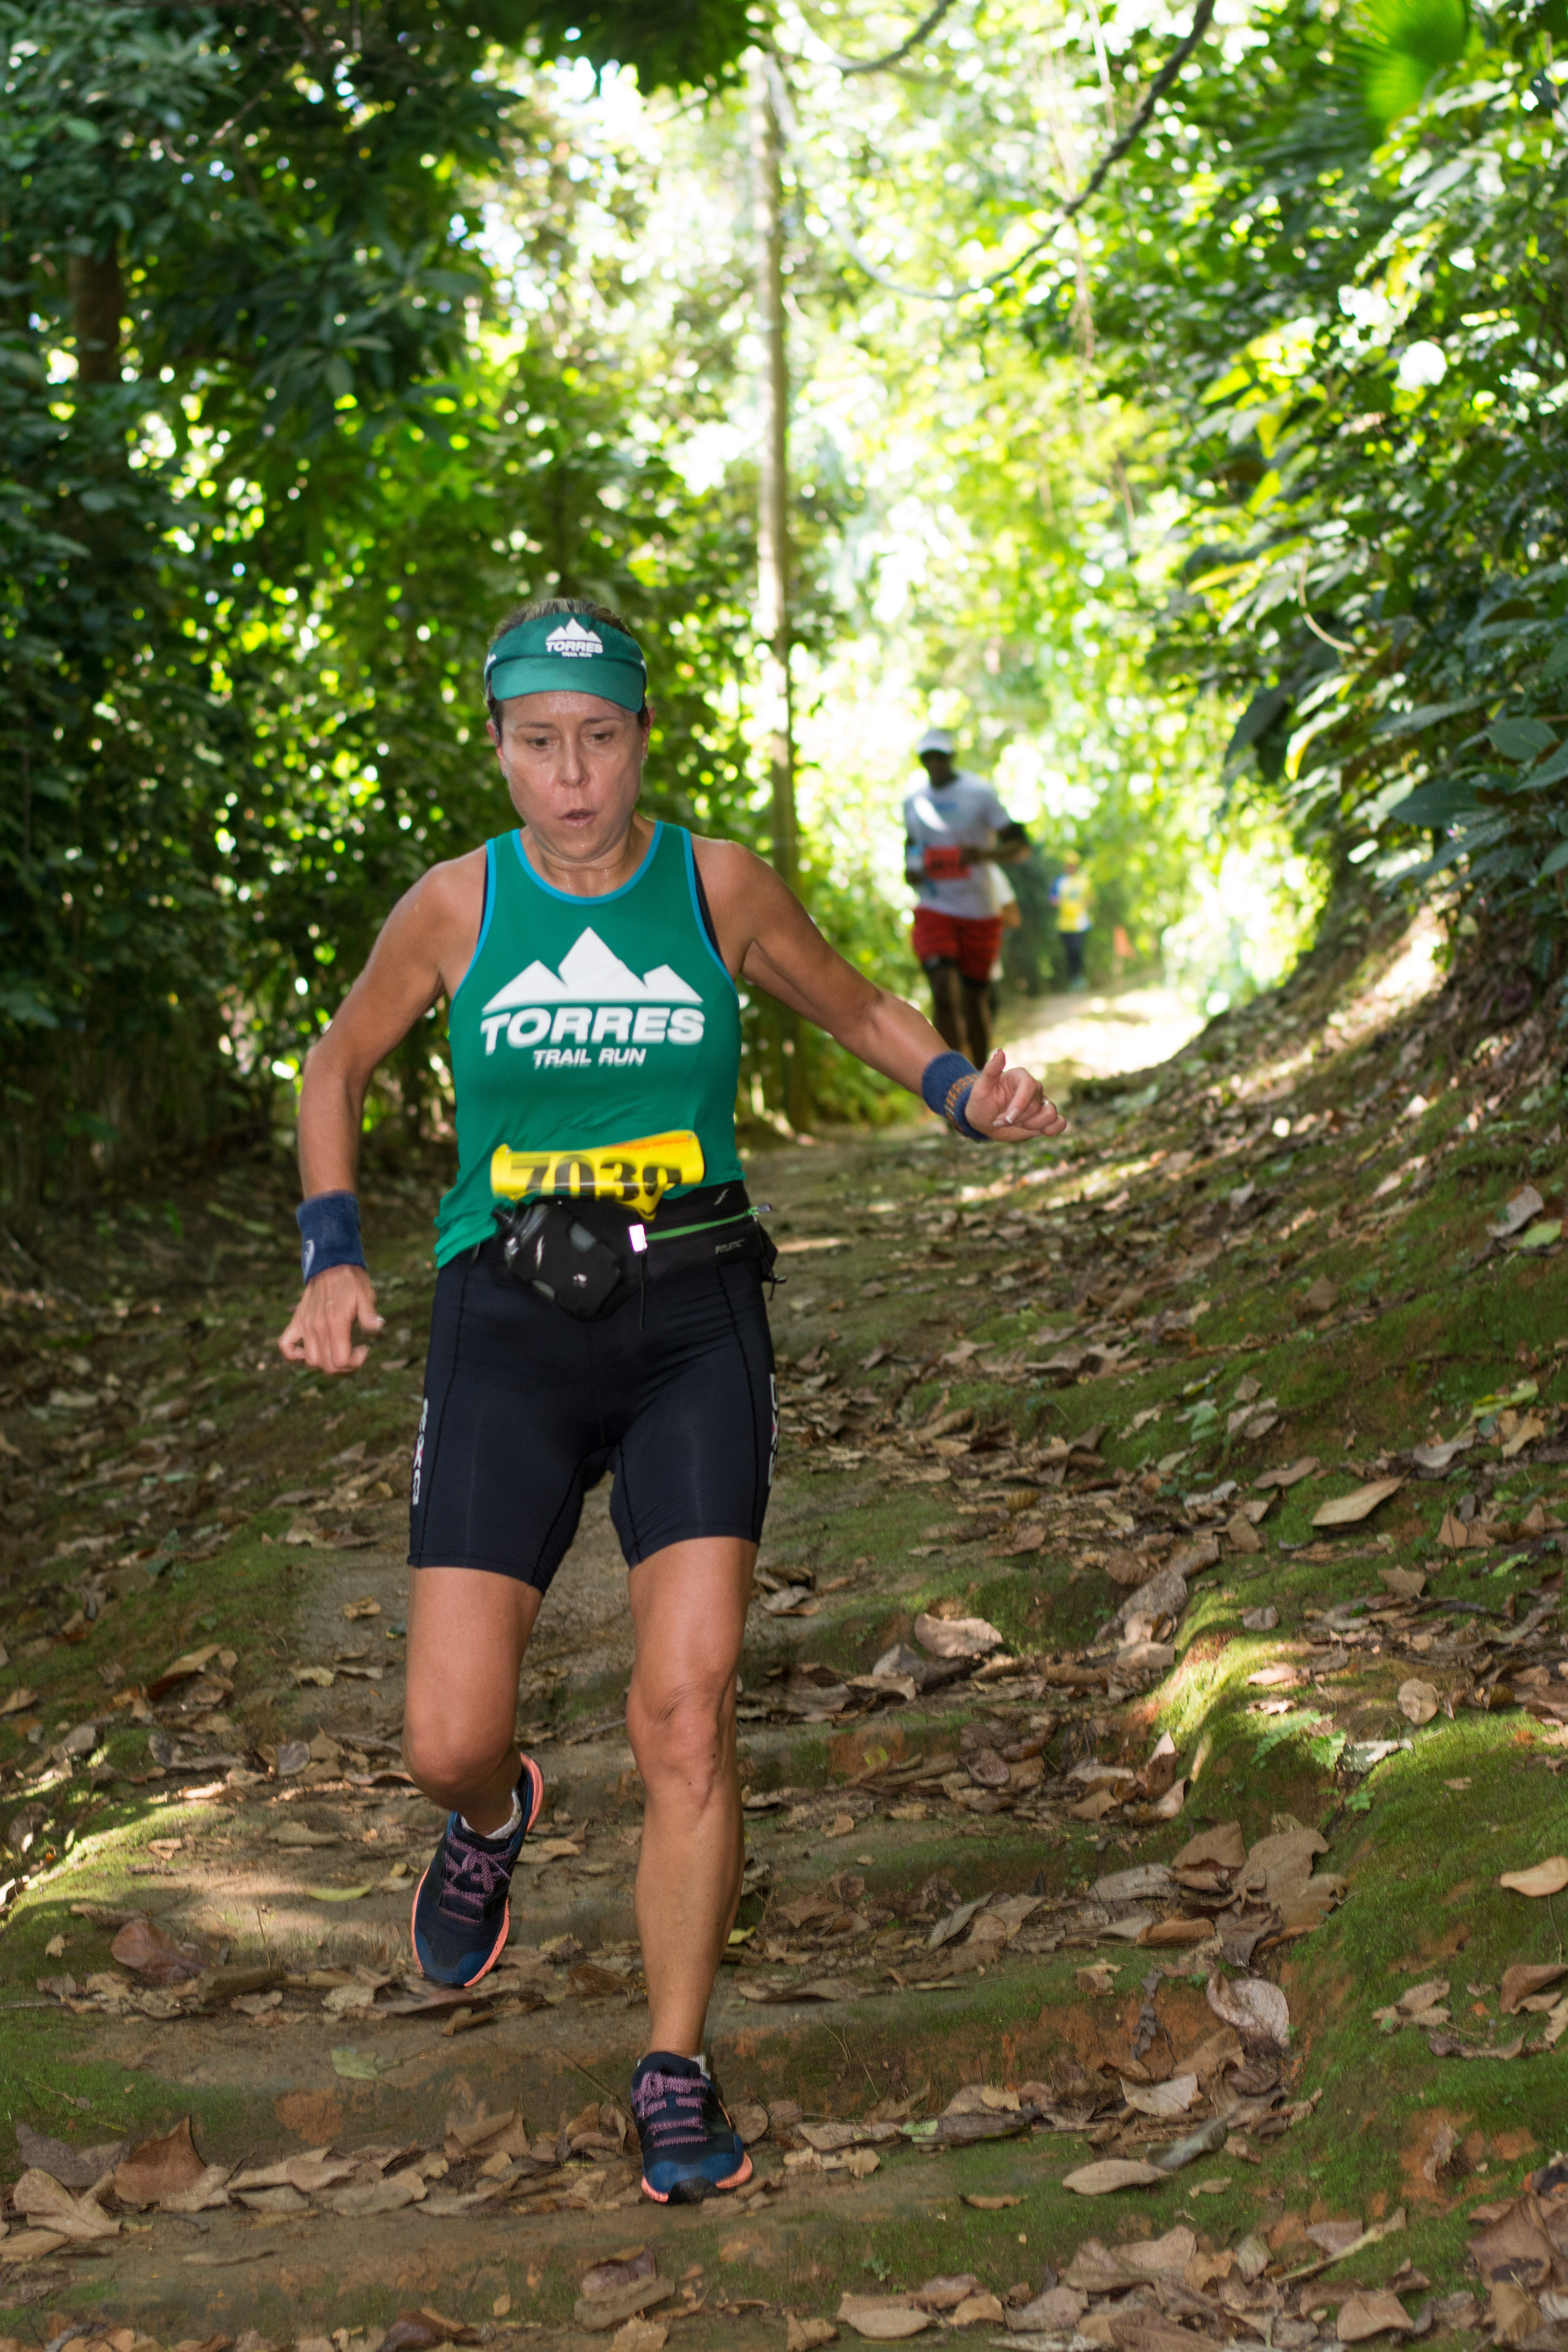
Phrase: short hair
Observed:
(550, 608)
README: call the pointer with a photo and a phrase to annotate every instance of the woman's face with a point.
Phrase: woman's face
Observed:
(572, 764)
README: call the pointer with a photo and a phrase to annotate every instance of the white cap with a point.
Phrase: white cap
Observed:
(936, 739)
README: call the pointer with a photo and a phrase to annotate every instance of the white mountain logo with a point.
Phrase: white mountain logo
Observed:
(594, 1011)
(590, 974)
(573, 639)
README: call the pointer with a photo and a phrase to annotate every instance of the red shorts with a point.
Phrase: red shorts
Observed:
(971, 941)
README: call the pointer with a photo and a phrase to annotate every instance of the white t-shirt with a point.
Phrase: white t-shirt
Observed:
(965, 813)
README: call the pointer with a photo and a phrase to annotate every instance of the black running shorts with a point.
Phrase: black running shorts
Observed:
(525, 1408)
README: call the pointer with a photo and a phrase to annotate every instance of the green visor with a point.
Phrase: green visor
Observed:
(567, 653)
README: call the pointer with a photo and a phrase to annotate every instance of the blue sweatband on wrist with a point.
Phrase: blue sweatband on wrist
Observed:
(946, 1083)
(329, 1232)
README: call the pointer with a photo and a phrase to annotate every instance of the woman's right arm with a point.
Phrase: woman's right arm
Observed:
(424, 948)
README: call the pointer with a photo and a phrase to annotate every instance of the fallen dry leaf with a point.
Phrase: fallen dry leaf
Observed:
(1526, 1203)
(1224, 1847)
(1548, 1877)
(1054, 2313)
(1257, 2010)
(1526, 1976)
(1109, 2174)
(1214, 2055)
(816, 1989)
(1125, 1568)
(356, 1609)
(152, 1956)
(1515, 2245)
(1095, 1808)
(376, 2196)
(1349, 1510)
(881, 2319)
(977, 2308)
(1170, 2098)
(806, 2335)
(610, 2306)
(1303, 1467)
(160, 2168)
(1418, 1700)
(1176, 1932)
(947, 2291)
(956, 1637)
(15, 1701)
(992, 2204)
(46, 2202)
(1418, 1999)
(31, 2245)
(203, 2195)
(1336, 2237)
(273, 2201)
(1514, 2316)
(411, 2331)
(182, 1670)
(1100, 2269)
(77, 2168)
(1372, 2311)
(639, 2335)
(1320, 1297)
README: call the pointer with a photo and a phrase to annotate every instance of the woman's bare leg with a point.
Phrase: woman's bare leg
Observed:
(688, 1611)
(468, 1631)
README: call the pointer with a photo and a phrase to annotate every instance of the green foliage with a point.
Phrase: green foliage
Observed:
(267, 486)
(1404, 43)
(667, 48)
(1016, 532)
(1357, 339)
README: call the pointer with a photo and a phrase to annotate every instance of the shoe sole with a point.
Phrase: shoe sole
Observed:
(535, 1778)
(698, 2189)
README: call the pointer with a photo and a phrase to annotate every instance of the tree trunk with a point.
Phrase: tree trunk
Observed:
(772, 532)
(97, 298)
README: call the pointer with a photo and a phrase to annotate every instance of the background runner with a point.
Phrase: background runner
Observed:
(955, 826)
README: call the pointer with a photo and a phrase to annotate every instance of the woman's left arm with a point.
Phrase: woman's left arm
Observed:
(769, 939)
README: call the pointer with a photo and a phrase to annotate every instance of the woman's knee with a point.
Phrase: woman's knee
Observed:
(685, 1733)
(451, 1761)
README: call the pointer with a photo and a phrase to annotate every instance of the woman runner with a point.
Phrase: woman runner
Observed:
(598, 1305)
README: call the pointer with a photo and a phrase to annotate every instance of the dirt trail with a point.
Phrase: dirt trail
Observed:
(1100, 1033)
(1098, 1796)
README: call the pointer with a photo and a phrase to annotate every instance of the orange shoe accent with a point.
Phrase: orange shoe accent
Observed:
(715, 2188)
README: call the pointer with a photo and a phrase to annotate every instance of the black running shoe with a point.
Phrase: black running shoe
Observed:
(462, 1911)
(690, 2149)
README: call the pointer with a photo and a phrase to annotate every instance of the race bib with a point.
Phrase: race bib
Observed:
(638, 1174)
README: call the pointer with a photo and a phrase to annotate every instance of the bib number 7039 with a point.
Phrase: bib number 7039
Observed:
(638, 1173)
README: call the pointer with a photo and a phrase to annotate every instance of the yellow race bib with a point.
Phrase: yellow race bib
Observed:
(637, 1174)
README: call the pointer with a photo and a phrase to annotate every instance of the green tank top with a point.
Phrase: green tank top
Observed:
(595, 1043)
